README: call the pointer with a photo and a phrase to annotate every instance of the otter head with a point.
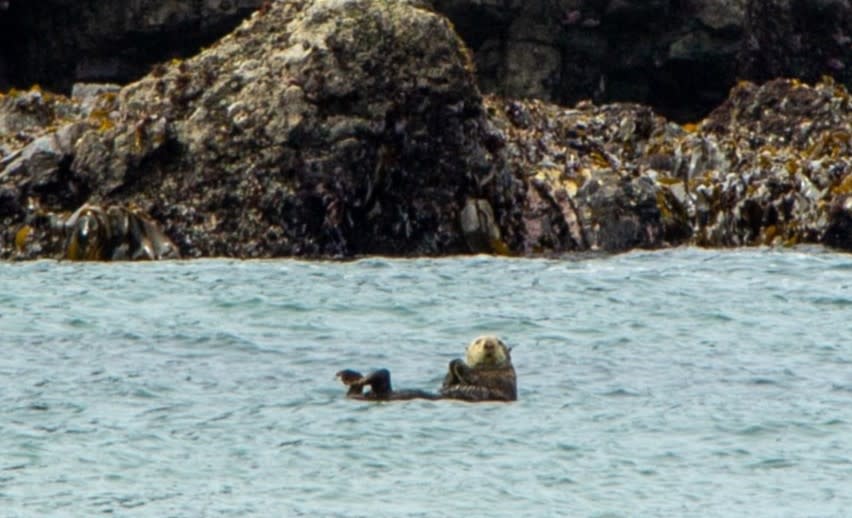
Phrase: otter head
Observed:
(487, 351)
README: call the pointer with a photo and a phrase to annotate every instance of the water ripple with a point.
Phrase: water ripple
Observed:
(651, 384)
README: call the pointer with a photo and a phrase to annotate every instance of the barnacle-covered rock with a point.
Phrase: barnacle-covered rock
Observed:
(317, 128)
(323, 128)
(768, 165)
(580, 169)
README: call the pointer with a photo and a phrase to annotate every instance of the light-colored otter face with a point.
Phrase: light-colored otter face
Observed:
(487, 351)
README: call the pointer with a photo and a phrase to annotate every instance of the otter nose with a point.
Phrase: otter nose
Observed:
(489, 346)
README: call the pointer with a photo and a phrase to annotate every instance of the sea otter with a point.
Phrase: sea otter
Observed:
(486, 374)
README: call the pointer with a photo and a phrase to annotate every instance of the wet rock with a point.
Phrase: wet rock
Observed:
(90, 95)
(584, 190)
(480, 228)
(838, 232)
(336, 129)
(317, 128)
(767, 164)
(114, 234)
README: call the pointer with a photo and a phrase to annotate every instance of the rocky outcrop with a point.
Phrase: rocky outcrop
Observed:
(332, 128)
(584, 188)
(317, 128)
(770, 166)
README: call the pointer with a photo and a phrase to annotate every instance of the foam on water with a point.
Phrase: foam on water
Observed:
(677, 383)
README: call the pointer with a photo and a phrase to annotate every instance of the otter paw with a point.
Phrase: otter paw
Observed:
(349, 377)
(459, 372)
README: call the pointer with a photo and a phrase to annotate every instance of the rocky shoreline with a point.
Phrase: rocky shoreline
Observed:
(335, 129)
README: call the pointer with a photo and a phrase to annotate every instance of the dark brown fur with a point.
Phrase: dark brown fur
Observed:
(483, 383)
(380, 387)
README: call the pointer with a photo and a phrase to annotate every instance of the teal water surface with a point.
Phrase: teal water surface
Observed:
(676, 383)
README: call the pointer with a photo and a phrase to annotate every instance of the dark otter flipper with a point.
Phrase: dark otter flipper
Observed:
(354, 380)
(378, 381)
(381, 389)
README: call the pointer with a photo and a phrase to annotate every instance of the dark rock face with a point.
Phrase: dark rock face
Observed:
(798, 38)
(56, 43)
(679, 57)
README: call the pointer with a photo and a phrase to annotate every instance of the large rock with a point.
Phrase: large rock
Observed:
(318, 128)
(770, 166)
(583, 185)
(38, 132)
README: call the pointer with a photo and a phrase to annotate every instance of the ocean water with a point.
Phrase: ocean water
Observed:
(675, 383)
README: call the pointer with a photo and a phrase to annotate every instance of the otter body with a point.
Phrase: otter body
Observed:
(486, 374)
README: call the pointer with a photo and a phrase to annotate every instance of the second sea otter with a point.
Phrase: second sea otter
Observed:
(486, 374)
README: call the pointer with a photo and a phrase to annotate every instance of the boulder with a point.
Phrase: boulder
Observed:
(317, 128)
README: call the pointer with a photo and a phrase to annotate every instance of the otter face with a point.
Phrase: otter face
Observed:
(487, 351)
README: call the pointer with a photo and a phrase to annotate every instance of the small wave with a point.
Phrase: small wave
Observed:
(621, 392)
(837, 302)
(776, 463)
(755, 430)
(763, 381)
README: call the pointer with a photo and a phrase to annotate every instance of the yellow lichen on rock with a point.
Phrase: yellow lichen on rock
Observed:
(21, 237)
